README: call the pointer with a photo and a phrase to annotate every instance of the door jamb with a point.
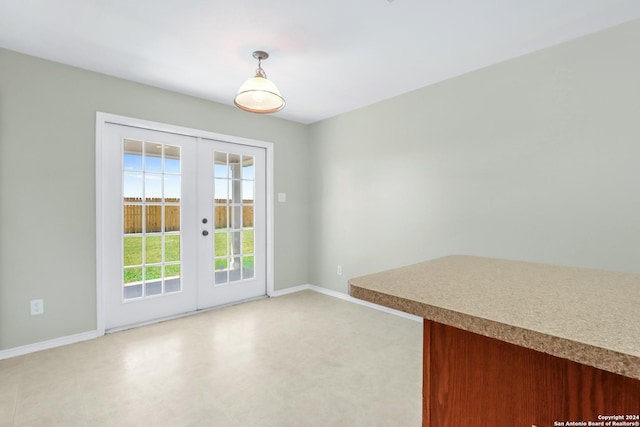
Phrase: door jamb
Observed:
(103, 119)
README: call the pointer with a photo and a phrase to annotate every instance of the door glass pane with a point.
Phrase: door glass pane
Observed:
(172, 278)
(247, 267)
(234, 187)
(222, 264)
(133, 186)
(132, 250)
(234, 165)
(247, 216)
(247, 191)
(221, 217)
(132, 275)
(172, 248)
(132, 218)
(152, 187)
(221, 277)
(153, 249)
(171, 188)
(172, 218)
(221, 245)
(235, 269)
(236, 217)
(235, 243)
(152, 273)
(235, 193)
(152, 157)
(248, 171)
(247, 241)
(151, 218)
(171, 159)
(221, 190)
(132, 155)
(220, 167)
(153, 288)
(131, 292)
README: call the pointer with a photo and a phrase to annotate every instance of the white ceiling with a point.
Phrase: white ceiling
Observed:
(327, 57)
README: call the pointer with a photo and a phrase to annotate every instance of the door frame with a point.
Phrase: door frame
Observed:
(102, 119)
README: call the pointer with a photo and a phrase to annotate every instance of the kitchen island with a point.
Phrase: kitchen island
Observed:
(510, 343)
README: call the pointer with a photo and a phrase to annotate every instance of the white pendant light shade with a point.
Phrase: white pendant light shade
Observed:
(258, 94)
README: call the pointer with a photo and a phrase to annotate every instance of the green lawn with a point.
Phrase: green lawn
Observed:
(153, 254)
(222, 248)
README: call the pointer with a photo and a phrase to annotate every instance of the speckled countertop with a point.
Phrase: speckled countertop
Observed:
(588, 316)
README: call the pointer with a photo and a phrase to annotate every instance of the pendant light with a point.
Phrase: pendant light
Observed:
(259, 95)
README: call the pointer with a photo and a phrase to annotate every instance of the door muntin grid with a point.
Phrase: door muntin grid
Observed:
(234, 217)
(151, 219)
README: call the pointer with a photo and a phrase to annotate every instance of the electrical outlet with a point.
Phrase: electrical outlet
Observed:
(339, 270)
(37, 307)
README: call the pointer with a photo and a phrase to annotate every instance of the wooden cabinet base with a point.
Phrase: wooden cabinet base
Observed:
(472, 380)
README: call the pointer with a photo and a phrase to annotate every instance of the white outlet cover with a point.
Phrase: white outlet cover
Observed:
(37, 307)
(282, 197)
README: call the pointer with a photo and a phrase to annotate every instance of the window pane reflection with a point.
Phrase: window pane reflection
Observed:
(132, 183)
(221, 189)
(132, 218)
(247, 191)
(132, 250)
(171, 218)
(248, 171)
(172, 188)
(171, 159)
(172, 248)
(153, 249)
(151, 216)
(234, 193)
(221, 221)
(221, 245)
(247, 216)
(132, 155)
(221, 169)
(152, 157)
(152, 186)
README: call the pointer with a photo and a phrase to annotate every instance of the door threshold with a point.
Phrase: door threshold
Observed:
(185, 314)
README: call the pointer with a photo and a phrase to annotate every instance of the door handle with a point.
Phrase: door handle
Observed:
(205, 233)
(205, 220)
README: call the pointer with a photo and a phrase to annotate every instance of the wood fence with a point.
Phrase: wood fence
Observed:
(133, 215)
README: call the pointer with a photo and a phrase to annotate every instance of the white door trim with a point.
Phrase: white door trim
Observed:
(101, 120)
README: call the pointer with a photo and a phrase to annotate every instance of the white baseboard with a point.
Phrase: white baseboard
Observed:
(290, 290)
(45, 345)
(346, 297)
(72, 339)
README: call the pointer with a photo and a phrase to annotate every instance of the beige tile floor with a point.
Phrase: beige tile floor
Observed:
(304, 359)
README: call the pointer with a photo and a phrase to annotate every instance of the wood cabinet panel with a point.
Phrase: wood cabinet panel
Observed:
(593, 392)
(472, 380)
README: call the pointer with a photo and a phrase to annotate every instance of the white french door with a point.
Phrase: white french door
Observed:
(183, 223)
(231, 208)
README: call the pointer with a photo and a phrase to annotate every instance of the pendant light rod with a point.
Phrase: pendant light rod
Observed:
(260, 55)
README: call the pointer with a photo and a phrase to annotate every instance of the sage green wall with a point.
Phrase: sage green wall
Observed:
(47, 186)
(536, 159)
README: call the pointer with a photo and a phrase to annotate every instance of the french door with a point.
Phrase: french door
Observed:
(183, 223)
(232, 212)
